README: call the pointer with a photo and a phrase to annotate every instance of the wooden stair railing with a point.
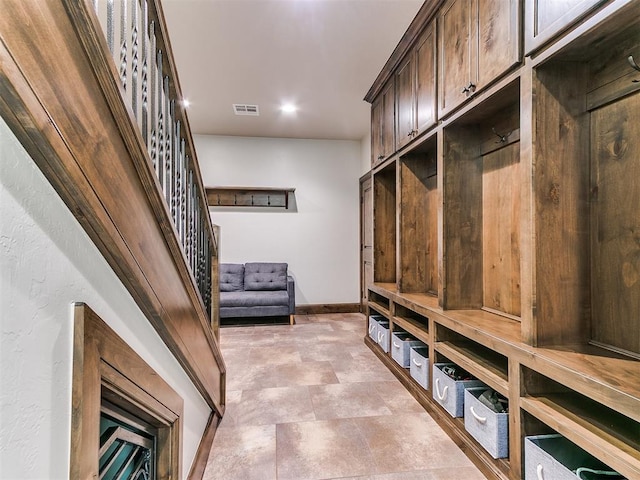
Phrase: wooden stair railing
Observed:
(114, 140)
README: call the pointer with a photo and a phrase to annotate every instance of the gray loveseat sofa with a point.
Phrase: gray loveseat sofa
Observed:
(259, 289)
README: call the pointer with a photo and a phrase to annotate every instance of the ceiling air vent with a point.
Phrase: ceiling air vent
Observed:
(244, 109)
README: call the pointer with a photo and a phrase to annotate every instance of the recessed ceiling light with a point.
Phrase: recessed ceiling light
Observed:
(288, 108)
(186, 103)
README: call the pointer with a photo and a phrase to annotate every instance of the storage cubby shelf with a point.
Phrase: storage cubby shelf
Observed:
(413, 327)
(568, 416)
(595, 372)
(485, 369)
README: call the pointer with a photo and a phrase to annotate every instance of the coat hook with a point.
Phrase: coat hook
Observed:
(633, 63)
(503, 138)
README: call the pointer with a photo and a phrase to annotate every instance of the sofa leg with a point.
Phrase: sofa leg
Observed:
(292, 320)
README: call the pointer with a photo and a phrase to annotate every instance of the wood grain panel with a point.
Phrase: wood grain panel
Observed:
(418, 224)
(405, 86)
(615, 217)
(426, 74)
(384, 220)
(458, 52)
(501, 230)
(462, 219)
(561, 184)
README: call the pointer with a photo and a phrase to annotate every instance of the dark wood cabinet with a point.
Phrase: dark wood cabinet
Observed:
(506, 236)
(382, 125)
(479, 42)
(416, 90)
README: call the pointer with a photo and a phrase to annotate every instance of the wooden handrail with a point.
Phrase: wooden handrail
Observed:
(62, 96)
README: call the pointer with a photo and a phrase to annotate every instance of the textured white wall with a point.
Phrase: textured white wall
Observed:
(319, 240)
(47, 262)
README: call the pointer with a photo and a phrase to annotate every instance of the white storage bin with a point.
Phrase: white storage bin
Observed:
(401, 343)
(553, 457)
(419, 365)
(383, 335)
(449, 392)
(373, 326)
(489, 428)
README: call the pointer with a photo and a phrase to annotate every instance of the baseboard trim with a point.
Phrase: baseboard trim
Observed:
(317, 309)
(202, 455)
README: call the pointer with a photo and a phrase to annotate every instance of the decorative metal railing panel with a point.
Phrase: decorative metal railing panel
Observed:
(133, 34)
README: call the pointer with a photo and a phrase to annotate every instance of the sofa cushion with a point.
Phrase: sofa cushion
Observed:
(231, 277)
(254, 298)
(265, 276)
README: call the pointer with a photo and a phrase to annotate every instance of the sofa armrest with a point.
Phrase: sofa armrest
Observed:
(291, 291)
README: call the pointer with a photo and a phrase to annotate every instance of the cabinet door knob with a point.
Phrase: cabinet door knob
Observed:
(380, 157)
(465, 90)
(471, 87)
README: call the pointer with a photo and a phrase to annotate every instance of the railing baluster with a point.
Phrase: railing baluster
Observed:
(134, 58)
(145, 74)
(153, 141)
(123, 44)
(160, 120)
(110, 21)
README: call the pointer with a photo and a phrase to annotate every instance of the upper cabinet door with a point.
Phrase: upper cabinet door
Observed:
(479, 42)
(544, 19)
(498, 38)
(425, 68)
(405, 118)
(458, 53)
(416, 89)
(382, 125)
(388, 120)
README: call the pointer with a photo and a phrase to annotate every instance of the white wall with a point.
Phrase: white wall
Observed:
(47, 262)
(319, 237)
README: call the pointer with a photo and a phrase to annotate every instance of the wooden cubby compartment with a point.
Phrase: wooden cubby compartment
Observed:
(380, 304)
(419, 204)
(412, 322)
(384, 222)
(605, 433)
(484, 363)
(586, 194)
(481, 183)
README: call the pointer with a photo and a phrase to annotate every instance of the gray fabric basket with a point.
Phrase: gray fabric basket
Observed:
(553, 457)
(448, 392)
(419, 365)
(489, 428)
(401, 343)
(383, 335)
(373, 326)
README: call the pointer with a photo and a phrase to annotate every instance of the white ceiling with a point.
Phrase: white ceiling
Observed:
(322, 55)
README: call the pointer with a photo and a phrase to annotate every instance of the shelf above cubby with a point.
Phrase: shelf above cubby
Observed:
(591, 427)
(418, 329)
(482, 363)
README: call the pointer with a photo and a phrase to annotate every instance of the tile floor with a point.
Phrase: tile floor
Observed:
(311, 401)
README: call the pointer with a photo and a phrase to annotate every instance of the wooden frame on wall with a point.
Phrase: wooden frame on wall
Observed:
(106, 367)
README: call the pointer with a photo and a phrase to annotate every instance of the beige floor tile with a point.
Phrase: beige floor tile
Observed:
(397, 398)
(321, 450)
(305, 373)
(363, 367)
(247, 341)
(327, 352)
(347, 400)
(273, 355)
(243, 377)
(243, 453)
(269, 406)
(409, 442)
